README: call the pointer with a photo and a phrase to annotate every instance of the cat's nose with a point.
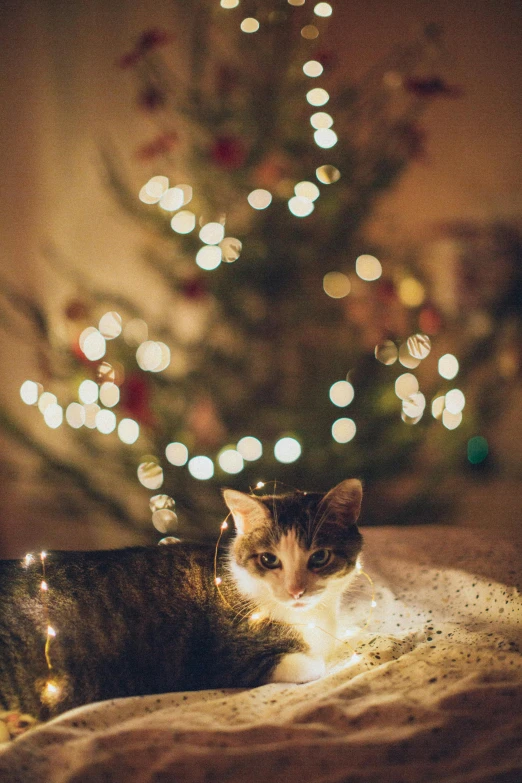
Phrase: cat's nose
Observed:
(297, 593)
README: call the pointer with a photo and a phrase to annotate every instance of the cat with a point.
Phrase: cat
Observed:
(147, 620)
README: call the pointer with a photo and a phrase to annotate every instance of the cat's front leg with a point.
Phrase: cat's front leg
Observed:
(299, 668)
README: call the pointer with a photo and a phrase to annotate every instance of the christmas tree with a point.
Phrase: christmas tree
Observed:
(297, 351)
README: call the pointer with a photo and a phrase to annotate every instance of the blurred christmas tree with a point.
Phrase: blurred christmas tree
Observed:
(292, 343)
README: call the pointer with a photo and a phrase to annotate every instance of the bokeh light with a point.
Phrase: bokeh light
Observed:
(209, 257)
(448, 366)
(317, 96)
(325, 138)
(327, 174)
(341, 393)
(309, 31)
(343, 430)
(250, 448)
(109, 394)
(406, 359)
(88, 391)
(406, 385)
(321, 119)
(287, 450)
(53, 415)
(455, 401)
(249, 25)
(368, 267)
(150, 474)
(336, 285)
(300, 207)
(177, 453)
(419, 346)
(149, 355)
(29, 392)
(164, 519)
(313, 68)
(259, 198)
(128, 431)
(437, 407)
(386, 352)
(231, 248)
(172, 199)
(201, 468)
(91, 411)
(212, 233)
(307, 190)
(105, 421)
(46, 399)
(110, 325)
(478, 449)
(231, 461)
(411, 292)
(323, 9)
(451, 420)
(184, 222)
(75, 415)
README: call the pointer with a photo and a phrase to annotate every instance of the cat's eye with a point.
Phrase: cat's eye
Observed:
(269, 560)
(319, 558)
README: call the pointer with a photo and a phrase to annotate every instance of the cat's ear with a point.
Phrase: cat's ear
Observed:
(248, 512)
(343, 502)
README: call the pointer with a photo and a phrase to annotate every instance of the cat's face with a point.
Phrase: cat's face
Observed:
(295, 550)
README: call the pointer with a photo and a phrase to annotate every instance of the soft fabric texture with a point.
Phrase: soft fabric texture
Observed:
(436, 695)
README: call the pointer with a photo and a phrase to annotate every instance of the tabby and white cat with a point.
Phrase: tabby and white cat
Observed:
(151, 619)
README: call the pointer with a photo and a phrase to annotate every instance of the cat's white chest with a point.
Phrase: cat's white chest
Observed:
(318, 628)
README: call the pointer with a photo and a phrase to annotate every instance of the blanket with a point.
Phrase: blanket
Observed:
(433, 694)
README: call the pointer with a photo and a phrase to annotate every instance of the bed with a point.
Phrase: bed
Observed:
(434, 692)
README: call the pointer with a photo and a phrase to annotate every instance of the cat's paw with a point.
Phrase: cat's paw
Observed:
(298, 667)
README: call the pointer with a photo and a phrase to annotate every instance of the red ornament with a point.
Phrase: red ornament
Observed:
(228, 152)
(430, 320)
(386, 291)
(135, 399)
(76, 310)
(194, 289)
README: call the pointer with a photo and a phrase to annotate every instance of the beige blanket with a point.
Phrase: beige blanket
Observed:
(436, 695)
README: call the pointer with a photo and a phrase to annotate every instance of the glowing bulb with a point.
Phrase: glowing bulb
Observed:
(128, 431)
(355, 658)
(43, 555)
(406, 385)
(29, 559)
(75, 415)
(448, 366)
(455, 401)
(229, 3)
(451, 420)
(44, 586)
(255, 616)
(177, 454)
(212, 233)
(373, 604)
(323, 9)
(321, 120)
(327, 174)
(250, 448)
(217, 580)
(260, 485)
(150, 474)
(172, 199)
(287, 450)
(343, 430)
(53, 415)
(110, 325)
(368, 268)
(307, 190)
(184, 222)
(325, 138)
(249, 25)
(341, 393)
(231, 461)
(259, 199)
(156, 187)
(52, 688)
(105, 422)
(149, 355)
(336, 285)
(313, 68)
(317, 96)
(300, 207)
(311, 625)
(358, 565)
(209, 257)
(50, 631)
(29, 392)
(201, 468)
(94, 346)
(109, 394)
(224, 525)
(45, 400)
(88, 391)
(411, 292)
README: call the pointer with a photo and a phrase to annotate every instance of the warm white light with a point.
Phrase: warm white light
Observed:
(406, 359)
(91, 410)
(437, 407)
(45, 400)
(150, 474)
(109, 394)
(201, 468)
(128, 431)
(287, 450)
(321, 120)
(88, 391)
(260, 198)
(323, 9)
(110, 325)
(325, 138)
(94, 346)
(53, 415)
(327, 174)
(231, 461)
(343, 430)
(29, 392)
(313, 68)
(209, 257)
(177, 453)
(249, 25)
(165, 358)
(406, 385)
(451, 420)
(212, 233)
(50, 631)
(336, 285)
(29, 559)
(317, 96)
(455, 401)
(75, 415)
(105, 422)
(300, 207)
(341, 393)
(149, 355)
(414, 405)
(250, 448)
(187, 193)
(44, 586)
(172, 199)
(184, 222)
(448, 366)
(229, 3)
(368, 267)
(156, 187)
(307, 190)
(411, 292)
(231, 248)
